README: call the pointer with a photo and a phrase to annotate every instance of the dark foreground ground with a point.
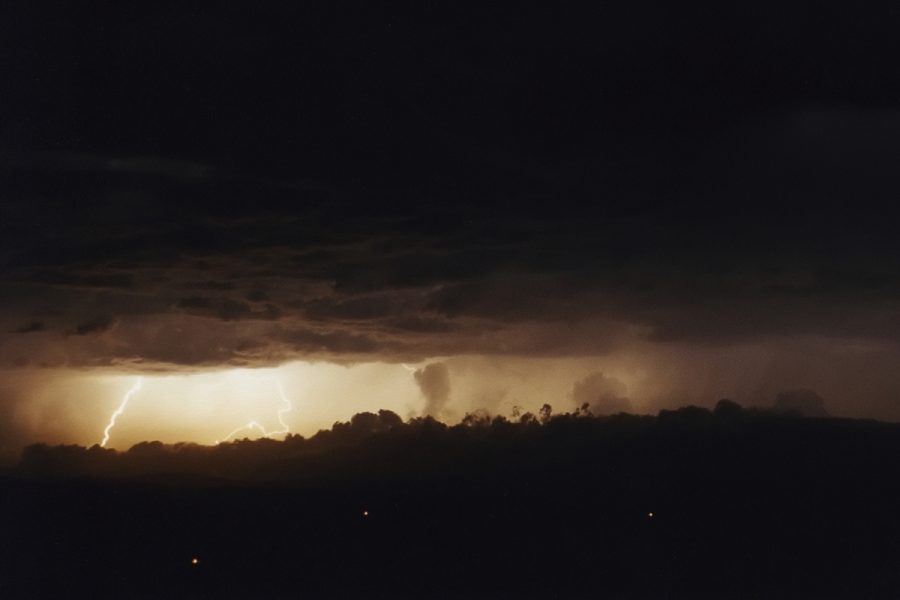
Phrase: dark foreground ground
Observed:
(762, 507)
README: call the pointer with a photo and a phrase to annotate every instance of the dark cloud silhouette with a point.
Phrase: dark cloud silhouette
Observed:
(226, 309)
(257, 295)
(210, 285)
(587, 280)
(329, 342)
(434, 381)
(85, 279)
(805, 402)
(604, 395)
(31, 327)
(97, 324)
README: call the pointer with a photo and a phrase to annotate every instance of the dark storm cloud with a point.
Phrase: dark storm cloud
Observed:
(95, 280)
(216, 285)
(257, 295)
(692, 273)
(329, 342)
(226, 309)
(567, 198)
(31, 327)
(361, 308)
(423, 325)
(97, 324)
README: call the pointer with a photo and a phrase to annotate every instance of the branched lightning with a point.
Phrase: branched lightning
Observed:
(286, 407)
(118, 412)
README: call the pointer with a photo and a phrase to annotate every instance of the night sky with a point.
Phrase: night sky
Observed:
(436, 210)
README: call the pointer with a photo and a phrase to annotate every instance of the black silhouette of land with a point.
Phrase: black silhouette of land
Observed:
(691, 503)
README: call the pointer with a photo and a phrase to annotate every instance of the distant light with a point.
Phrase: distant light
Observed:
(650, 515)
(195, 561)
(365, 513)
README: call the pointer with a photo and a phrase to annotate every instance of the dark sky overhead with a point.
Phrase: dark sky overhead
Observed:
(666, 203)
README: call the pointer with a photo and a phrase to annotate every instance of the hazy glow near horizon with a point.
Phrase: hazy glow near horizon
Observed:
(206, 406)
(68, 406)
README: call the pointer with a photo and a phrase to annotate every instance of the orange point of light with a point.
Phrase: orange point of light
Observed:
(195, 561)
(365, 513)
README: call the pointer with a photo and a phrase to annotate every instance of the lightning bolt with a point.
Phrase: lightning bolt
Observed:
(408, 368)
(286, 407)
(118, 412)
